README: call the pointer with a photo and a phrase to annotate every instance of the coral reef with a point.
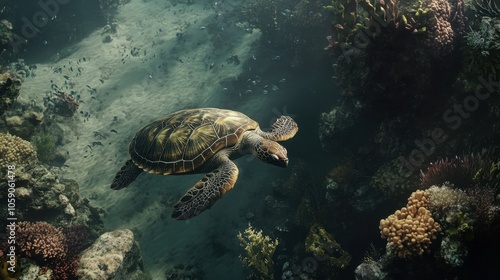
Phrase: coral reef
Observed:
(22, 122)
(5, 37)
(259, 250)
(393, 179)
(42, 195)
(336, 127)
(40, 241)
(453, 210)
(463, 172)
(410, 231)
(331, 257)
(15, 151)
(52, 247)
(447, 20)
(345, 174)
(10, 86)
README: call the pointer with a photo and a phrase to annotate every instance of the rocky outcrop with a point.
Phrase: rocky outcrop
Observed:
(114, 255)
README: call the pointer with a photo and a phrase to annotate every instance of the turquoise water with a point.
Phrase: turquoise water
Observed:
(390, 97)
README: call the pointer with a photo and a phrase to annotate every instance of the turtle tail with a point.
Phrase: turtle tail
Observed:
(127, 174)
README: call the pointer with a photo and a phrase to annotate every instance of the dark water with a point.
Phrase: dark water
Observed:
(390, 97)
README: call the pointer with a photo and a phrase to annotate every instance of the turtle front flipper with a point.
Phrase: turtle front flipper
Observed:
(206, 191)
(127, 174)
(283, 128)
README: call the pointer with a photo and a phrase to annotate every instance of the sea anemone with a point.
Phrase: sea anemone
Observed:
(463, 172)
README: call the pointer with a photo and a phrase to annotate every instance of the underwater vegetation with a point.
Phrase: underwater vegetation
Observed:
(45, 145)
(259, 251)
(325, 249)
(482, 48)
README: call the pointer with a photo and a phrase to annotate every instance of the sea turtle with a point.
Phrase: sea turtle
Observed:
(204, 140)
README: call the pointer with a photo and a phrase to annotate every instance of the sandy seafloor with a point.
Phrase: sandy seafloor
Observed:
(167, 75)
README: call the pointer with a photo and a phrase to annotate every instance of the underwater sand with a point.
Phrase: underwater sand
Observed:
(167, 75)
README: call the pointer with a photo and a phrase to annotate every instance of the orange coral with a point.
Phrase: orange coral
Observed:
(410, 231)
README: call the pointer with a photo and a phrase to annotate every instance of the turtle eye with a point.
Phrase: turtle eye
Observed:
(275, 157)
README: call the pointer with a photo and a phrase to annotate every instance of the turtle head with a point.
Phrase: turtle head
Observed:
(271, 152)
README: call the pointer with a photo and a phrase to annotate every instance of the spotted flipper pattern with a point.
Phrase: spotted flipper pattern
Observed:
(282, 129)
(206, 191)
(127, 174)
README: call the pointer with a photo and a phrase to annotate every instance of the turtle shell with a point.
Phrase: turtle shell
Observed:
(183, 141)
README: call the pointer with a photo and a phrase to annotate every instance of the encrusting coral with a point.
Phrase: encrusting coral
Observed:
(259, 250)
(14, 150)
(410, 231)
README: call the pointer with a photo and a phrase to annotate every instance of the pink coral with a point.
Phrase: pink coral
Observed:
(40, 241)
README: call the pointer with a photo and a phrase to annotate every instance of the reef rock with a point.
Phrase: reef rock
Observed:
(369, 271)
(114, 255)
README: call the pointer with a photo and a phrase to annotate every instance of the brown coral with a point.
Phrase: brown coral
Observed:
(15, 150)
(40, 241)
(447, 20)
(410, 231)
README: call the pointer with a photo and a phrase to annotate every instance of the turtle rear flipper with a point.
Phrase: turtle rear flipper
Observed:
(127, 174)
(282, 129)
(206, 191)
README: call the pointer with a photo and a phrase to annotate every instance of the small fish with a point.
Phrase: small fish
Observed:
(101, 80)
(97, 143)
(114, 131)
(66, 77)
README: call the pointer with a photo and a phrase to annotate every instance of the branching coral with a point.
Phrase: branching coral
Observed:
(410, 231)
(40, 241)
(259, 250)
(52, 246)
(14, 150)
